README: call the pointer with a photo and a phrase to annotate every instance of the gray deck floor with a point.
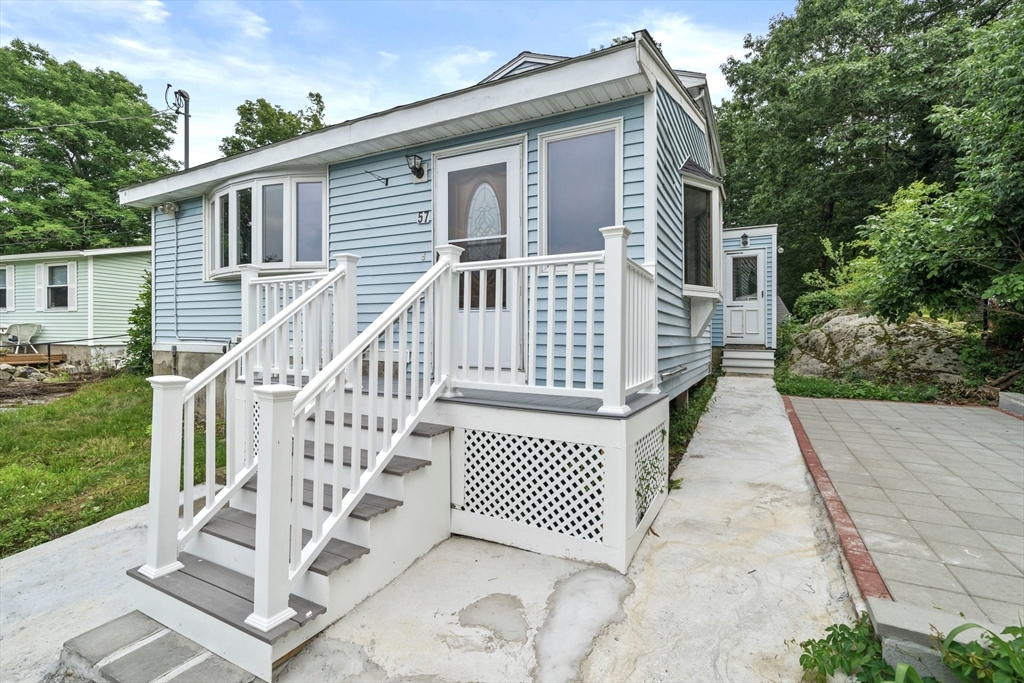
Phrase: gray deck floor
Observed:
(937, 493)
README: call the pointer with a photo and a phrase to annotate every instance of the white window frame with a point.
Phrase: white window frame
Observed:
(43, 286)
(9, 285)
(212, 235)
(715, 189)
(544, 139)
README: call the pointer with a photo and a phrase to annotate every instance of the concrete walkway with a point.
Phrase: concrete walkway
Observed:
(741, 566)
(937, 494)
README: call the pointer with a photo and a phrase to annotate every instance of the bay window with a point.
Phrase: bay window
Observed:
(702, 237)
(280, 223)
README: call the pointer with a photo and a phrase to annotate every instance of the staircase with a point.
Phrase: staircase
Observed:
(334, 483)
(748, 360)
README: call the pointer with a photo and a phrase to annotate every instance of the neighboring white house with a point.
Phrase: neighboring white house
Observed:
(463, 315)
(80, 299)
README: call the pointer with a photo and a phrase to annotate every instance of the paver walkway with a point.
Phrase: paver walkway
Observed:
(937, 493)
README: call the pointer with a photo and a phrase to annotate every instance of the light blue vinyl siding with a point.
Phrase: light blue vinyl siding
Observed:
(205, 311)
(379, 223)
(678, 138)
(764, 242)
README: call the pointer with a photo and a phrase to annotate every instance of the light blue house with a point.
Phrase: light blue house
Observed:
(491, 295)
(745, 322)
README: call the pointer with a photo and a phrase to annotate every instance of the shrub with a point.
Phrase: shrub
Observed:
(814, 303)
(139, 354)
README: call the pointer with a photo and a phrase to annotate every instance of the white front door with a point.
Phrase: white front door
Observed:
(744, 306)
(478, 199)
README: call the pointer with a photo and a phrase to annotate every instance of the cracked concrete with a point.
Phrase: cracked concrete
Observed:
(501, 613)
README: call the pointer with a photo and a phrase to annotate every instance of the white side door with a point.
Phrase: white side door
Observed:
(478, 200)
(744, 305)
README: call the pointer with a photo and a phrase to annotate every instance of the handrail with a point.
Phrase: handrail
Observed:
(546, 260)
(639, 269)
(329, 373)
(264, 331)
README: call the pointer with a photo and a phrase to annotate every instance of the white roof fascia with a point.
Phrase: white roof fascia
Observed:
(47, 255)
(651, 60)
(754, 230)
(326, 146)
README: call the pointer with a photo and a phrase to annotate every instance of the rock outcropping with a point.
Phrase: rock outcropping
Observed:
(844, 345)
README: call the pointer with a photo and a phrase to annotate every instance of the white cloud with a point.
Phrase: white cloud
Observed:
(248, 22)
(386, 59)
(460, 69)
(686, 44)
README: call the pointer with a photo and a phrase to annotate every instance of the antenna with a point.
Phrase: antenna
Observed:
(180, 107)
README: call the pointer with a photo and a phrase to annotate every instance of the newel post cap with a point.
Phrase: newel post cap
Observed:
(616, 231)
(449, 252)
(275, 393)
(346, 258)
(168, 382)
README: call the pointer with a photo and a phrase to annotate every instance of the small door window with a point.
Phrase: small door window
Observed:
(744, 278)
(477, 222)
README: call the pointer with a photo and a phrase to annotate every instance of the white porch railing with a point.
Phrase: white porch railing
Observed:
(568, 325)
(401, 353)
(292, 345)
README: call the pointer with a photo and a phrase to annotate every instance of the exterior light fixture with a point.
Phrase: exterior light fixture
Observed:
(415, 163)
(745, 239)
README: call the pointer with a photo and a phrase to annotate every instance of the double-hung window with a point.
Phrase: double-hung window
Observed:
(280, 223)
(6, 288)
(581, 186)
(57, 286)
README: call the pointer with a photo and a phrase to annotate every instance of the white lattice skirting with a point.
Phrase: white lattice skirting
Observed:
(553, 485)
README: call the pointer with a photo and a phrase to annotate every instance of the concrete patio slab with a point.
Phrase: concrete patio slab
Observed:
(946, 534)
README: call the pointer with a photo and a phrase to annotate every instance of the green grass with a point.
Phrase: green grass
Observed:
(76, 461)
(819, 387)
(682, 421)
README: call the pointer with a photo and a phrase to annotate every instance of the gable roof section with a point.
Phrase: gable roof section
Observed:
(524, 61)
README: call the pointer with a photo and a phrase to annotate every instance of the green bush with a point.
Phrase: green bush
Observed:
(139, 353)
(814, 303)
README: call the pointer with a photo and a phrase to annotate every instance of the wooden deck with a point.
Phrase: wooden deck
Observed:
(32, 358)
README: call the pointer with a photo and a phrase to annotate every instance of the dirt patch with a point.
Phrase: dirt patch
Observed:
(17, 394)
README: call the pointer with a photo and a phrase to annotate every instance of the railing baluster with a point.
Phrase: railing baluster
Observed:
(591, 295)
(190, 460)
(549, 372)
(570, 330)
(467, 302)
(389, 364)
(211, 442)
(230, 422)
(319, 468)
(371, 452)
(481, 315)
(297, 502)
(532, 349)
(414, 375)
(357, 418)
(513, 287)
(498, 312)
(403, 355)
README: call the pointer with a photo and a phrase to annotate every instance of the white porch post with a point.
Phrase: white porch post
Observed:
(273, 501)
(449, 317)
(346, 325)
(249, 315)
(614, 392)
(164, 472)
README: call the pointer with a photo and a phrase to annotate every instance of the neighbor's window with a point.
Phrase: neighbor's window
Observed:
(4, 289)
(580, 192)
(275, 221)
(697, 236)
(57, 287)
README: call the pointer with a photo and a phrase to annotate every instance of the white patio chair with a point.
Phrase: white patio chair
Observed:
(20, 334)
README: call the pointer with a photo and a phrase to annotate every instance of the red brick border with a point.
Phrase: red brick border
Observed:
(1007, 412)
(869, 581)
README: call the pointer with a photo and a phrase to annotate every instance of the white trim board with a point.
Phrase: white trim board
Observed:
(50, 255)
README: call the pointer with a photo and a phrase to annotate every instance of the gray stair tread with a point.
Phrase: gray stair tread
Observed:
(399, 464)
(370, 506)
(242, 585)
(213, 600)
(239, 527)
(427, 429)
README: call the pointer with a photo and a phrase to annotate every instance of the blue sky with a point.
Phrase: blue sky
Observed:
(362, 57)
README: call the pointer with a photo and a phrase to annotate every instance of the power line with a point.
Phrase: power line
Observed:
(87, 123)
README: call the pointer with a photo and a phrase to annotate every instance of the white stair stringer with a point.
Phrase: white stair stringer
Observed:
(395, 538)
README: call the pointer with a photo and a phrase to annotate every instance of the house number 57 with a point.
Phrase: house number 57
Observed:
(423, 217)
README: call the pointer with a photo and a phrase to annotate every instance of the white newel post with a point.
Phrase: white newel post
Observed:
(346, 304)
(249, 273)
(164, 474)
(273, 501)
(448, 323)
(614, 392)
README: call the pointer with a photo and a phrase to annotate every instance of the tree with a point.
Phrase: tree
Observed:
(58, 185)
(139, 350)
(262, 123)
(946, 251)
(830, 116)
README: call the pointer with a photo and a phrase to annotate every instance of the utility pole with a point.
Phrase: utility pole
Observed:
(180, 107)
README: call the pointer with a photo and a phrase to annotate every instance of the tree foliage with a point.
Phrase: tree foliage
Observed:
(830, 116)
(262, 123)
(58, 185)
(946, 251)
(139, 350)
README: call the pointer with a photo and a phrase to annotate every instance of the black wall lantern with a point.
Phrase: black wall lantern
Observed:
(745, 240)
(415, 163)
